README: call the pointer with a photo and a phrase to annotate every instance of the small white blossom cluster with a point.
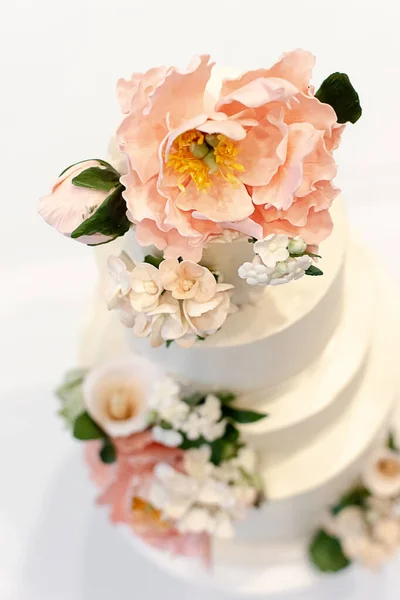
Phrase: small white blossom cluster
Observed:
(178, 301)
(370, 534)
(205, 497)
(278, 260)
(203, 420)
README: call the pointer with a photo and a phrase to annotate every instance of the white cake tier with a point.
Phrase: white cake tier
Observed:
(258, 346)
(316, 441)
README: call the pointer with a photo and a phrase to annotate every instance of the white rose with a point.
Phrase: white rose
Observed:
(146, 288)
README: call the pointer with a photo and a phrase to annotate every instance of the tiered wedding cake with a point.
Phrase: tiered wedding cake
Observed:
(228, 412)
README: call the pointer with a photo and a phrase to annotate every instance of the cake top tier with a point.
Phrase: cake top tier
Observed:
(215, 169)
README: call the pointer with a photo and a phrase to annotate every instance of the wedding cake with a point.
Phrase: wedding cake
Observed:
(237, 383)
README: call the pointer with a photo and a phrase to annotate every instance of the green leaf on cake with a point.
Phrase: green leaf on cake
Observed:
(314, 271)
(226, 397)
(194, 399)
(86, 429)
(338, 92)
(227, 446)
(242, 416)
(326, 553)
(109, 219)
(97, 178)
(153, 260)
(107, 453)
(356, 497)
(391, 442)
(70, 394)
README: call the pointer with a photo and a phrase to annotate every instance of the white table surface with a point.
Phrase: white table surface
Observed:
(59, 64)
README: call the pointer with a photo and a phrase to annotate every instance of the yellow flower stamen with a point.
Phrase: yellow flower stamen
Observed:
(191, 164)
(145, 509)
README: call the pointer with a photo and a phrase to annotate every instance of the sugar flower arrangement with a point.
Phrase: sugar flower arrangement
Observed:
(364, 526)
(199, 160)
(170, 464)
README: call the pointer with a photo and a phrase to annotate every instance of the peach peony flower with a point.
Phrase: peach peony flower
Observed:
(146, 287)
(205, 318)
(69, 205)
(187, 280)
(116, 394)
(255, 158)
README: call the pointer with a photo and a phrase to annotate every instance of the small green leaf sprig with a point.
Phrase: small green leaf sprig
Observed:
(109, 219)
(77, 418)
(325, 550)
(228, 445)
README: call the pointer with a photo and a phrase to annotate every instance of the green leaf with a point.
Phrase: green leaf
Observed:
(326, 553)
(187, 444)
(314, 271)
(338, 92)
(86, 429)
(356, 497)
(109, 219)
(391, 442)
(200, 339)
(102, 162)
(168, 343)
(225, 447)
(194, 399)
(242, 416)
(252, 240)
(226, 397)
(97, 178)
(153, 260)
(70, 394)
(312, 255)
(107, 453)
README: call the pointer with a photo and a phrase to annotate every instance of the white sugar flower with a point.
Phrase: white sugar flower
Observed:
(272, 249)
(167, 437)
(172, 492)
(382, 474)
(211, 409)
(291, 269)
(297, 246)
(118, 283)
(223, 528)
(255, 273)
(214, 492)
(246, 459)
(213, 431)
(146, 287)
(196, 520)
(193, 426)
(166, 390)
(197, 463)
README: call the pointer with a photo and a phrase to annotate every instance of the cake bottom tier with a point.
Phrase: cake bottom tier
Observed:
(269, 550)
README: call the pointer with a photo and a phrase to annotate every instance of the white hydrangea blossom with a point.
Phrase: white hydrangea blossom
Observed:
(166, 402)
(202, 499)
(167, 437)
(205, 421)
(118, 282)
(255, 273)
(272, 249)
(291, 268)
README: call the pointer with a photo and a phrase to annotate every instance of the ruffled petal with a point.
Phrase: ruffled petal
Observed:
(143, 201)
(294, 66)
(318, 227)
(222, 201)
(319, 165)
(280, 191)
(308, 109)
(263, 151)
(182, 92)
(259, 92)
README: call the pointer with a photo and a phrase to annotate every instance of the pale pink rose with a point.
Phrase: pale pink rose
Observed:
(116, 394)
(187, 279)
(205, 318)
(258, 158)
(68, 205)
(146, 287)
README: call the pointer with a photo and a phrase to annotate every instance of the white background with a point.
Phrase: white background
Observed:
(59, 65)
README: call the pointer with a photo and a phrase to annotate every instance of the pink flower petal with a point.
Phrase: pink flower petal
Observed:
(319, 165)
(220, 202)
(259, 92)
(263, 151)
(308, 109)
(289, 177)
